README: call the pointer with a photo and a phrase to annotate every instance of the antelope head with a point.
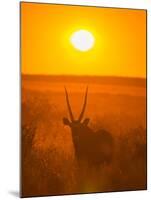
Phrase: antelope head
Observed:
(76, 125)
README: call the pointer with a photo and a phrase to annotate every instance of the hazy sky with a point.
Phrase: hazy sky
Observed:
(120, 40)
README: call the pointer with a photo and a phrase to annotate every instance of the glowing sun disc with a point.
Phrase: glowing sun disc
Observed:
(82, 40)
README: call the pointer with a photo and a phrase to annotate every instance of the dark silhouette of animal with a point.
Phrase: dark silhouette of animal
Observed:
(90, 146)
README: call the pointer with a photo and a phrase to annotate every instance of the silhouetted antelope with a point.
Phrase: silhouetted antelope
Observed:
(92, 147)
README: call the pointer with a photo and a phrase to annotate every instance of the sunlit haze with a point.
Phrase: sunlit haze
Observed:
(74, 40)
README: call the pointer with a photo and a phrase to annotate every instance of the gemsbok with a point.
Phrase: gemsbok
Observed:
(94, 147)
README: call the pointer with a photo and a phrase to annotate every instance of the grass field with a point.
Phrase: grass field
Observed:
(49, 165)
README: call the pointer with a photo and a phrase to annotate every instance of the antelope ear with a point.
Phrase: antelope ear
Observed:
(86, 121)
(66, 121)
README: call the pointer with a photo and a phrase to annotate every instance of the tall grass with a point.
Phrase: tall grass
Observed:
(49, 166)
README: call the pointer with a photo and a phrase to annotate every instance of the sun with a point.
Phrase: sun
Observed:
(82, 40)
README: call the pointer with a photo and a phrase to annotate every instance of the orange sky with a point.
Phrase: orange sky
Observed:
(120, 40)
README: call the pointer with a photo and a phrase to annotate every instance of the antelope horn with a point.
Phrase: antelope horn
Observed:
(84, 105)
(68, 105)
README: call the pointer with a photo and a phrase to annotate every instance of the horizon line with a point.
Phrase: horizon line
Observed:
(82, 75)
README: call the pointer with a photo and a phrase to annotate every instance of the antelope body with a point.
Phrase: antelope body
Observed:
(90, 146)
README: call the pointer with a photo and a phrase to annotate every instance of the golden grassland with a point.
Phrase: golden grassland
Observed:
(49, 166)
